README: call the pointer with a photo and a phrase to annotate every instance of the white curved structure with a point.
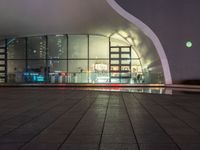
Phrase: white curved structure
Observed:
(148, 32)
(99, 17)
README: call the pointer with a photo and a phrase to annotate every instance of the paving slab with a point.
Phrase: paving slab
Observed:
(69, 119)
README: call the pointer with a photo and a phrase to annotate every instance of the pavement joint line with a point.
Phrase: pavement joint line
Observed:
(32, 108)
(68, 109)
(23, 111)
(37, 116)
(136, 98)
(181, 120)
(133, 130)
(186, 110)
(104, 121)
(76, 124)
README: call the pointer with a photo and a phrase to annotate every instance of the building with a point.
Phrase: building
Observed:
(99, 41)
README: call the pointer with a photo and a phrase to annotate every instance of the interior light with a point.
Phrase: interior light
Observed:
(136, 42)
(119, 37)
(130, 40)
(58, 35)
(123, 33)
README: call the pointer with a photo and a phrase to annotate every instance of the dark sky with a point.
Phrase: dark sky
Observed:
(174, 22)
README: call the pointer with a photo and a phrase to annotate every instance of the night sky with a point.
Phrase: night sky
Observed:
(174, 22)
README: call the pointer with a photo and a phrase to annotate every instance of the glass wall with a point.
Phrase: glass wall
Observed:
(99, 71)
(99, 59)
(36, 48)
(99, 47)
(78, 71)
(71, 59)
(16, 62)
(57, 47)
(78, 46)
(36, 60)
(57, 59)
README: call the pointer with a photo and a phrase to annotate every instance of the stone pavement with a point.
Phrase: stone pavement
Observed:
(63, 119)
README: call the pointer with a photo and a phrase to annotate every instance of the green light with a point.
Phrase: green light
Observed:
(189, 44)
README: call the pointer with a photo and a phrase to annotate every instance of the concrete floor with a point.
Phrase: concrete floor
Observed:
(53, 118)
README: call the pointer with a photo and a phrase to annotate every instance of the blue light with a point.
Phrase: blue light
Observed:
(26, 74)
(40, 78)
(34, 78)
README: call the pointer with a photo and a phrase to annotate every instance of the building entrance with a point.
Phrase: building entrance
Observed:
(120, 64)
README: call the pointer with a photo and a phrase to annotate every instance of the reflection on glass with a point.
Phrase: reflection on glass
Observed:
(118, 42)
(37, 48)
(57, 46)
(16, 68)
(125, 49)
(125, 56)
(2, 50)
(117, 67)
(99, 47)
(115, 80)
(57, 71)
(78, 71)
(134, 54)
(2, 68)
(99, 71)
(115, 56)
(2, 43)
(78, 46)
(36, 71)
(125, 68)
(2, 56)
(17, 49)
(114, 62)
(58, 65)
(125, 61)
(114, 49)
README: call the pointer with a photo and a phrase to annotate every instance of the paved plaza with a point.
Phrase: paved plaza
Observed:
(64, 119)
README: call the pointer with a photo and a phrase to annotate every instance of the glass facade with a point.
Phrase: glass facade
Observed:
(72, 59)
(57, 47)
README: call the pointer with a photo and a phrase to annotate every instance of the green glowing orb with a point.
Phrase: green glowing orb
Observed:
(189, 44)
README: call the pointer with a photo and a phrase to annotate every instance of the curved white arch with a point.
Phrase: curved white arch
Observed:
(149, 33)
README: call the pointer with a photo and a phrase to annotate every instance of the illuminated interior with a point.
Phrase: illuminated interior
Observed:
(101, 45)
(71, 58)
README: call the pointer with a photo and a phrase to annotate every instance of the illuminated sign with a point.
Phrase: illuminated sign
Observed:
(101, 67)
(34, 77)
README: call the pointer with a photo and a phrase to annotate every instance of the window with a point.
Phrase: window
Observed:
(78, 46)
(57, 65)
(16, 69)
(57, 47)
(99, 71)
(78, 71)
(17, 49)
(37, 48)
(99, 47)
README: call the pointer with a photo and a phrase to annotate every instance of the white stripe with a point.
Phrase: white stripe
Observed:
(149, 33)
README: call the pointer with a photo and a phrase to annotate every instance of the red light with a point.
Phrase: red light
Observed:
(62, 74)
(115, 85)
